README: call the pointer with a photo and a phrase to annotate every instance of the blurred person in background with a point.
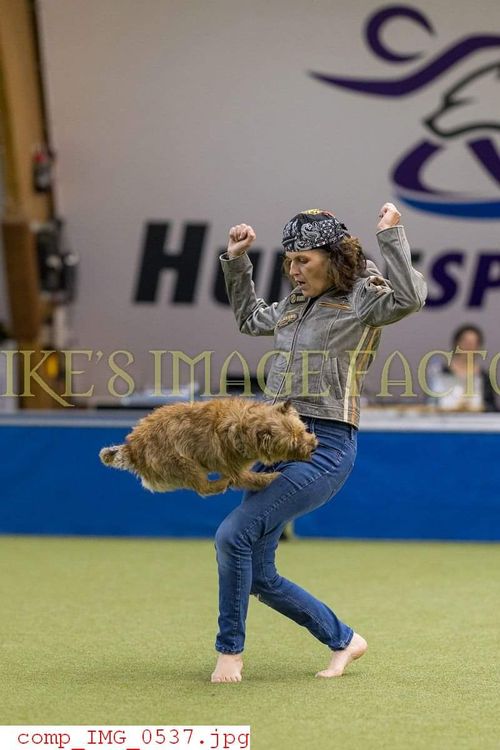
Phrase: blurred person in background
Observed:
(334, 317)
(464, 383)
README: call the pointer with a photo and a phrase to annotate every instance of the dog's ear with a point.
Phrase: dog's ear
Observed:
(284, 406)
(264, 436)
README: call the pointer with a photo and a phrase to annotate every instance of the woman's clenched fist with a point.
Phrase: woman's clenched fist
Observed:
(389, 216)
(241, 238)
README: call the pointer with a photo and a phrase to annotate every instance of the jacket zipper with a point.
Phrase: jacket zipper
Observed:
(292, 349)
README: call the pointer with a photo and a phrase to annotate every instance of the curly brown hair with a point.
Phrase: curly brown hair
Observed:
(347, 263)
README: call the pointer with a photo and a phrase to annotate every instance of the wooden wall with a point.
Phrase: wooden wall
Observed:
(22, 128)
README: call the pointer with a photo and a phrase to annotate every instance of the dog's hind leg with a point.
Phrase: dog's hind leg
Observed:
(252, 480)
(190, 475)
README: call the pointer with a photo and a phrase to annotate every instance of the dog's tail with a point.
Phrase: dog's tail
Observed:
(117, 456)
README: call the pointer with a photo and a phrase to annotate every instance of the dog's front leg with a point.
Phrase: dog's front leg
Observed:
(253, 480)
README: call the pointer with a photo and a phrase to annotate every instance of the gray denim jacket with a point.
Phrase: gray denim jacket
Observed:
(324, 347)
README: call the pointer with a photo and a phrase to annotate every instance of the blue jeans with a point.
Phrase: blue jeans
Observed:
(246, 540)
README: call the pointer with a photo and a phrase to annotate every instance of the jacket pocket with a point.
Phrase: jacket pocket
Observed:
(335, 305)
(290, 317)
(335, 378)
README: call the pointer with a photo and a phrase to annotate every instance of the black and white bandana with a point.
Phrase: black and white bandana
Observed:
(313, 228)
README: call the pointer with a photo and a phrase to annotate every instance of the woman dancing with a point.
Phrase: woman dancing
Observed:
(326, 333)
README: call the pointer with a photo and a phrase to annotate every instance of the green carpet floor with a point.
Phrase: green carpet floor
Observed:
(113, 632)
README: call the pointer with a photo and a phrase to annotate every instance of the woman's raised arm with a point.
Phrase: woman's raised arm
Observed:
(254, 316)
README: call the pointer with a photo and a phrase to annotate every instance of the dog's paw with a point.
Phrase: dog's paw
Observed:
(273, 475)
(212, 487)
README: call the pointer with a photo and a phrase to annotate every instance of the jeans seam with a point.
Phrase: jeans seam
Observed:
(237, 610)
(262, 569)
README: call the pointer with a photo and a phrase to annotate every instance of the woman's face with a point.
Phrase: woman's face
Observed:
(309, 270)
(469, 341)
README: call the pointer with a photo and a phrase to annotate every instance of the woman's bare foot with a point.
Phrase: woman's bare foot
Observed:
(341, 659)
(228, 668)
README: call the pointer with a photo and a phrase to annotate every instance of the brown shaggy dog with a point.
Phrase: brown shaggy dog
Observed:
(179, 444)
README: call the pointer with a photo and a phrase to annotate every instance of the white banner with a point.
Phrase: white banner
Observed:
(172, 121)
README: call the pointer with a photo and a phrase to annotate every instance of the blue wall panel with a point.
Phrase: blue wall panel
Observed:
(56, 484)
(416, 486)
(403, 486)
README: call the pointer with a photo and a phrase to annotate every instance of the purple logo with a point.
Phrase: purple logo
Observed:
(467, 114)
